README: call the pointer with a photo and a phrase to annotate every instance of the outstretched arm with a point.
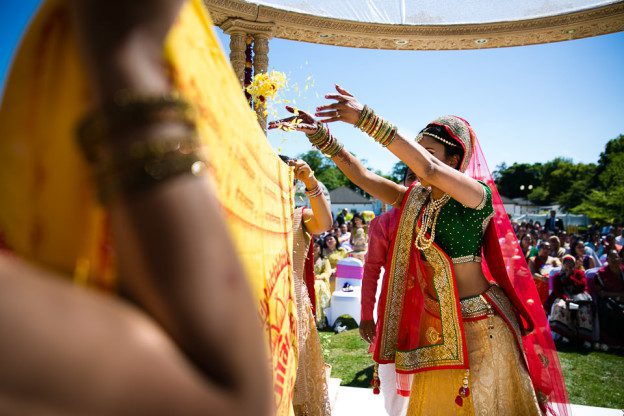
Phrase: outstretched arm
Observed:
(381, 188)
(426, 166)
(378, 186)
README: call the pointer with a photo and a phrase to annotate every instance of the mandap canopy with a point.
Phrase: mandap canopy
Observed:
(426, 24)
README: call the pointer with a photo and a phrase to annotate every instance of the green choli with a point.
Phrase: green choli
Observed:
(459, 229)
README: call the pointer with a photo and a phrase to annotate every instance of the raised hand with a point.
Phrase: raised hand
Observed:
(301, 121)
(303, 172)
(346, 108)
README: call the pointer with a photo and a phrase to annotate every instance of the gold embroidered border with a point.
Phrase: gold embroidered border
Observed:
(474, 307)
(451, 350)
(466, 259)
(398, 272)
(460, 130)
(483, 199)
(486, 221)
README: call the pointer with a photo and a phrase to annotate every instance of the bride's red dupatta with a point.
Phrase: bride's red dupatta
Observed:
(504, 263)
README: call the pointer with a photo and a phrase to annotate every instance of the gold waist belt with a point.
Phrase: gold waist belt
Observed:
(477, 307)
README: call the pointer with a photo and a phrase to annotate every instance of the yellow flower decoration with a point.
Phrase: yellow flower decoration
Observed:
(265, 86)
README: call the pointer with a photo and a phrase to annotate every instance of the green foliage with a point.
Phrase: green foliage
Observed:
(539, 195)
(398, 172)
(593, 189)
(327, 172)
(517, 180)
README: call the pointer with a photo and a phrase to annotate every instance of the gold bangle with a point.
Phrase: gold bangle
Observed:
(125, 167)
(397, 198)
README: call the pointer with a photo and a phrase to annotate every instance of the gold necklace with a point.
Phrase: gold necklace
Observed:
(429, 221)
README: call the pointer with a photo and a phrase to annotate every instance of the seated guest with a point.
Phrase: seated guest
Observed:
(357, 222)
(555, 247)
(610, 288)
(525, 245)
(534, 243)
(360, 245)
(540, 267)
(334, 252)
(345, 235)
(322, 273)
(584, 260)
(569, 304)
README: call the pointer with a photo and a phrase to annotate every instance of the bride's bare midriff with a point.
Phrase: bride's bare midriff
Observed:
(470, 279)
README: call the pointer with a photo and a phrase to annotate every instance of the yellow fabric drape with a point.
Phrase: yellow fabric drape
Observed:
(48, 210)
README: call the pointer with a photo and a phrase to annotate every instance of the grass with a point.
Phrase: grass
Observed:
(592, 378)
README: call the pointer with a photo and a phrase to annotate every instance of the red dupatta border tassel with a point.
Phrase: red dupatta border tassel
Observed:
(464, 391)
(375, 382)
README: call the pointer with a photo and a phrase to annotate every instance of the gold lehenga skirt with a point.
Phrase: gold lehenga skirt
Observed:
(499, 381)
(311, 395)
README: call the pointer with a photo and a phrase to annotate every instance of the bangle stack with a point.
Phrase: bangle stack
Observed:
(314, 192)
(325, 142)
(379, 129)
(124, 167)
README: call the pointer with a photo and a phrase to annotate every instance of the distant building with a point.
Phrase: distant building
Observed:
(344, 197)
(519, 206)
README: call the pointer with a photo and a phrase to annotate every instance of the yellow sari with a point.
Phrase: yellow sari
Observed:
(48, 210)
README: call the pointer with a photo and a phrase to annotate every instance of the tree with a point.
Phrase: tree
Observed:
(605, 201)
(398, 172)
(517, 180)
(327, 172)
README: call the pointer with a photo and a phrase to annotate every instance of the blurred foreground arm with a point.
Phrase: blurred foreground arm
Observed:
(175, 257)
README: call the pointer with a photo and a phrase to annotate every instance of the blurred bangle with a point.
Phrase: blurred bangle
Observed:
(314, 192)
(129, 166)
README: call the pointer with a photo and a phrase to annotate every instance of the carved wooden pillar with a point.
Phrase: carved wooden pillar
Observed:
(237, 53)
(239, 29)
(261, 64)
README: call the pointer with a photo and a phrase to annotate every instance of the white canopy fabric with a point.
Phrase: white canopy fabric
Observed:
(421, 24)
(433, 12)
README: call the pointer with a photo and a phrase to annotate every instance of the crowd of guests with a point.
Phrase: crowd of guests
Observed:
(580, 279)
(348, 237)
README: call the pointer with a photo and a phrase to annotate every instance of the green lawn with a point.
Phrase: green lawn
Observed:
(592, 378)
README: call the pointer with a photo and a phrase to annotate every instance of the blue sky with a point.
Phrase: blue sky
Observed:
(526, 104)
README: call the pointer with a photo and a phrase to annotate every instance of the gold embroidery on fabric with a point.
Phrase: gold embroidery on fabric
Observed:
(466, 259)
(483, 199)
(497, 296)
(433, 336)
(486, 221)
(460, 130)
(398, 271)
(451, 350)
(474, 307)
(432, 306)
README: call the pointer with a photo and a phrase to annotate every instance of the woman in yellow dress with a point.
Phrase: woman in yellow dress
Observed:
(322, 274)
(158, 237)
(311, 394)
